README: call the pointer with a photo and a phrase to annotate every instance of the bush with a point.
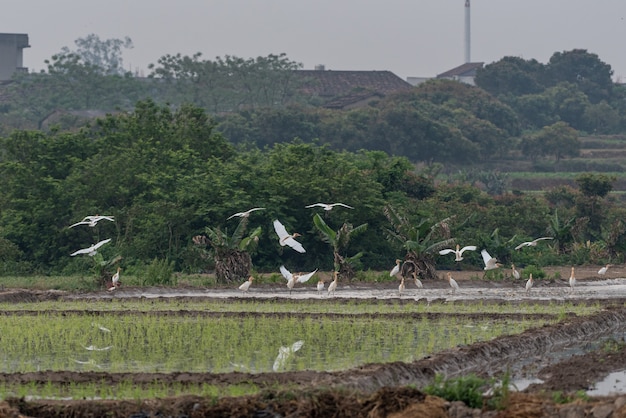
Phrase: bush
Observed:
(467, 389)
(159, 273)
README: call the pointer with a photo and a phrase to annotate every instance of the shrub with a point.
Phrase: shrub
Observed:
(467, 389)
(159, 272)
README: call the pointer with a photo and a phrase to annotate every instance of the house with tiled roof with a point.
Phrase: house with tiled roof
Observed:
(349, 89)
(464, 73)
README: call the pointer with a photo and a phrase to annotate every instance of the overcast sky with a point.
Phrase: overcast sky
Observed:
(419, 38)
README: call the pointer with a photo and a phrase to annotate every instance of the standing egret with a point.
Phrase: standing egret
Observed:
(572, 280)
(115, 280)
(453, 284)
(529, 283)
(514, 272)
(320, 287)
(286, 238)
(246, 285)
(490, 262)
(532, 243)
(604, 269)
(91, 251)
(401, 287)
(244, 214)
(93, 220)
(396, 269)
(293, 278)
(458, 252)
(333, 285)
(418, 282)
(328, 206)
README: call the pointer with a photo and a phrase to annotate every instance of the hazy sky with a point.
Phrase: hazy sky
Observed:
(407, 37)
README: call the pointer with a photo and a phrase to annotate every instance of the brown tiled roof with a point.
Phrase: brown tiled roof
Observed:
(467, 69)
(353, 99)
(330, 83)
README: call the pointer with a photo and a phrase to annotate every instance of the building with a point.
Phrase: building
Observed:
(464, 73)
(11, 58)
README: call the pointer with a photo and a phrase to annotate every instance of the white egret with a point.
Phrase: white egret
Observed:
(246, 285)
(396, 269)
(529, 283)
(328, 206)
(91, 251)
(532, 243)
(333, 285)
(92, 220)
(100, 327)
(514, 272)
(293, 278)
(453, 284)
(320, 287)
(94, 348)
(284, 353)
(458, 252)
(115, 280)
(401, 287)
(286, 238)
(418, 282)
(244, 214)
(604, 269)
(490, 262)
(572, 280)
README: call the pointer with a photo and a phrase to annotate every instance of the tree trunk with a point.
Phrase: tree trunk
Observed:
(232, 266)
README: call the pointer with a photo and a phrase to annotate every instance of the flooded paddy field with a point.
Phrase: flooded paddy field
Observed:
(365, 350)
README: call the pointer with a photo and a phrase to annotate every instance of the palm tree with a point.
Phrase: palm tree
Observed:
(339, 241)
(561, 231)
(231, 253)
(421, 241)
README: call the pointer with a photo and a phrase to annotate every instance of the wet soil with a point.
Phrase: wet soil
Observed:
(376, 390)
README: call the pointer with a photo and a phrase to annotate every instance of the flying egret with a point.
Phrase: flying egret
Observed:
(396, 269)
(244, 214)
(401, 287)
(328, 206)
(418, 282)
(604, 269)
(91, 251)
(246, 285)
(320, 287)
(453, 284)
(572, 280)
(284, 353)
(532, 243)
(293, 278)
(529, 283)
(92, 220)
(514, 272)
(333, 285)
(100, 327)
(490, 262)
(286, 238)
(458, 252)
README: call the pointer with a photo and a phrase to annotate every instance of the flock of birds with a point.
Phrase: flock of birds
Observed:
(92, 250)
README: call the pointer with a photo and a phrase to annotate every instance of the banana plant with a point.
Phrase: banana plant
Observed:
(339, 241)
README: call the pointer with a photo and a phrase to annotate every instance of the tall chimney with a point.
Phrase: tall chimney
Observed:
(467, 31)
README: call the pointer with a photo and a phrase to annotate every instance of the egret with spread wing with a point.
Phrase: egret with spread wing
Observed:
(532, 243)
(93, 220)
(91, 251)
(244, 214)
(490, 262)
(292, 279)
(458, 252)
(284, 353)
(328, 206)
(284, 238)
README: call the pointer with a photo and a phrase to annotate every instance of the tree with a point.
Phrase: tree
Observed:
(339, 241)
(559, 140)
(106, 55)
(511, 76)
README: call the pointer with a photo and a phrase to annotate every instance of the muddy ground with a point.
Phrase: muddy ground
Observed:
(387, 390)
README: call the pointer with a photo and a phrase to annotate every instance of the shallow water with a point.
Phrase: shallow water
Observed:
(613, 384)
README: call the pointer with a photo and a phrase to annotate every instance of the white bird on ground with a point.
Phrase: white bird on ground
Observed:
(458, 252)
(515, 272)
(284, 353)
(285, 238)
(529, 283)
(320, 287)
(246, 285)
(91, 251)
(490, 262)
(328, 206)
(453, 284)
(115, 280)
(244, 214)
(92, 220)
(401, 287)
(418, 282)
(94, 348)
(572, 280)
(293, 278)
(396, 269)
(532, 243)
(333, 285)
(604, 269)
